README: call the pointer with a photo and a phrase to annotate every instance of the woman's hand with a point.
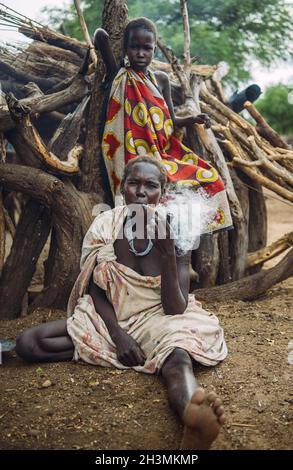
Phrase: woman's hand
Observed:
(129, 353)
(161, 233)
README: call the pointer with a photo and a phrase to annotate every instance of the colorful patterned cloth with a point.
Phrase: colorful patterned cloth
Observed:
(137, 303)
(138, 123)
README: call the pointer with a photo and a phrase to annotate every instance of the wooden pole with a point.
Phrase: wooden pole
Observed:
(186, 34)
(86, 35)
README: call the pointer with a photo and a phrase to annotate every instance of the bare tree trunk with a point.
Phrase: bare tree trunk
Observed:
(114, 19)
(50, 261)
(239, 236)
(2, 233)
(207, 260)
(250, 287)
(224, 273)
(258, 223)
(71, 217)
(30, 236)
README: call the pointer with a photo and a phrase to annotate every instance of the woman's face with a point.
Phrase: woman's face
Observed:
(140, 49)
(142, 185)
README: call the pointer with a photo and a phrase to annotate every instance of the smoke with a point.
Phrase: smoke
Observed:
(190, 213)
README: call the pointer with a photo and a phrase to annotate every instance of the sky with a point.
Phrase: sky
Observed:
(264, 77)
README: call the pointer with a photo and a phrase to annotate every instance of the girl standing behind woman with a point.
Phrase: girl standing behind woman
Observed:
(140, 120)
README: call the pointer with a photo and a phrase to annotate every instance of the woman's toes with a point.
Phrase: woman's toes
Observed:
(217, 402)
(198, 396)
(211, 397)
(222, 419)
(219, 411)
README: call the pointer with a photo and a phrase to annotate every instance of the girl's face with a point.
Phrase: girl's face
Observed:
(140, 49)
(142, 185)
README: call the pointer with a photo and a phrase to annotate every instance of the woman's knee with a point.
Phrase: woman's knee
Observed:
(27, 345)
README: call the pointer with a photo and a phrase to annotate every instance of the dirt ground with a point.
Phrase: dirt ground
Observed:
(86, 407)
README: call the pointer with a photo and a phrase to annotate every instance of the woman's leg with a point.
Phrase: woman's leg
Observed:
(201, 413)
(48, 342)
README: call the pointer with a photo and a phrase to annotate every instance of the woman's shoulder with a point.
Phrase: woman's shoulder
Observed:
(105, 225)
(107, 214)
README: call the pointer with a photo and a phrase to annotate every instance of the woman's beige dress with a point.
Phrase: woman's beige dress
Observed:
(137, 303)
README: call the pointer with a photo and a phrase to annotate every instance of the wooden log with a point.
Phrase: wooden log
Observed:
(269, 252)
(47, 51)
(69, 219)
(254, 174)
(50, 261)
(272, 168)
(24, 77)
(224, 271)
(250, 287)
(32, 141)
(210, 144)
(238, 237)
(282, 156)
(30, 236)
(206, 260)
(197, 69)
(8, 222)
(258, 220)
(32, 66)
(186, 35)
(86, 35)
(55, 39)
(210, 99)
(251, 171)
(239, 244)
(263, 127)
(68, 132)
(47, 103)
(59, 277)
(2, 233)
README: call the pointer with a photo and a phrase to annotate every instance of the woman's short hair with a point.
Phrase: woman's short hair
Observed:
(143, 23)
(149, 158)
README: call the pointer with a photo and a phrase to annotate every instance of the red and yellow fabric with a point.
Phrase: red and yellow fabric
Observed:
(139, 123)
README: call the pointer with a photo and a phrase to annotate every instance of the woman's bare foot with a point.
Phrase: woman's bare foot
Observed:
(203, 417)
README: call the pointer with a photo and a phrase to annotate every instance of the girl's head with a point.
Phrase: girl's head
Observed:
(144, 181)
(139, 42)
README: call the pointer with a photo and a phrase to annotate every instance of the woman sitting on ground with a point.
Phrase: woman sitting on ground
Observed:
(131, 308)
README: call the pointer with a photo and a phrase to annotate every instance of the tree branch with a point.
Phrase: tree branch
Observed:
(263, 127)
(46, 103)
(31, 138)
(269, 252)
(86, 33)
(186, 33)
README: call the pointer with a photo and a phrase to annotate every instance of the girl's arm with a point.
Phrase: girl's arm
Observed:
(102, 44)
(179, 121)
